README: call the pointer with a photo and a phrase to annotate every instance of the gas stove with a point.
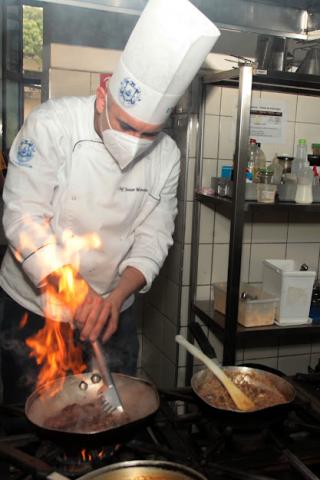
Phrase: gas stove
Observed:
(184, 431)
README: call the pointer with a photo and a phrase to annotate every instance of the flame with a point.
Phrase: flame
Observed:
(24, 320)
(88, 456)
(53, 347)
(85, 455)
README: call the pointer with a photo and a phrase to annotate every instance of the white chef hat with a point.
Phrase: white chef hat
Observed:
(164, 52)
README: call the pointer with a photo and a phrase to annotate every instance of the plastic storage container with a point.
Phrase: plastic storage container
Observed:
(257, 310)
(294, 287)
(266, 192)
(287, 192)
(217, 184)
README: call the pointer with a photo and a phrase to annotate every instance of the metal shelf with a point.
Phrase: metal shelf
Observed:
(290, 82)
(225, 206)
(273, 80)
(238, 210)
(215, 321)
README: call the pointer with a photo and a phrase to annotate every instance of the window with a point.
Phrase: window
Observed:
(32, 57)
(32, 39)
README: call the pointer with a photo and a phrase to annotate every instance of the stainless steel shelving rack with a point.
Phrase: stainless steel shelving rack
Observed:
(226, 327)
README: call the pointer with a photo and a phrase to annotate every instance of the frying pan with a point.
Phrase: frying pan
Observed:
(144, 469)
(258, 377)
(140, 400)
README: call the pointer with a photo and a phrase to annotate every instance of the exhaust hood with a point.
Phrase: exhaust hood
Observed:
(299, 19)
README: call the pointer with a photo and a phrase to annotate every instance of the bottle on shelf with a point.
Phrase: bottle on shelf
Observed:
(260, 162)
(304, 193)
(300, 161)
(252, 154)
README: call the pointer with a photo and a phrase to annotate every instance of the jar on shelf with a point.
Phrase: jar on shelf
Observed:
(286, 162)
(264, 175)
(266, 191)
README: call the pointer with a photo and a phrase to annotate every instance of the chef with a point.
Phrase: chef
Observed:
(102, 164)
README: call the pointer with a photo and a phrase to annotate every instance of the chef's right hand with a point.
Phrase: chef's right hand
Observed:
(97, 316)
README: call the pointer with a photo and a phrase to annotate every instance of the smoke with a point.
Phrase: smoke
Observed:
(18, 371)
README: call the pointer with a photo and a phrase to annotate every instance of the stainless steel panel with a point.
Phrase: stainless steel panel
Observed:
(278, 17)
(131, 7)
(237, 216)
(213, 77)
(314, 21)
(254, 16)
(189, 102)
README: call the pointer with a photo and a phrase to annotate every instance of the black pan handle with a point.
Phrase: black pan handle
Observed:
(202, 340)
(312, 378)
(35, 466)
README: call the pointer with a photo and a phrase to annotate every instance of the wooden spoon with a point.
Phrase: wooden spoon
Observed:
(240, 399)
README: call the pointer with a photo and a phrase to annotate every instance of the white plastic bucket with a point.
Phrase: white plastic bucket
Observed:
(292, 286)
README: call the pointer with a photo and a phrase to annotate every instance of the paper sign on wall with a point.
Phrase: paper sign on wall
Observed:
(268, 121)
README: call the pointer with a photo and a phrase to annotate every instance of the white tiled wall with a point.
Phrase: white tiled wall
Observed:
(68, 83)
(75, 70)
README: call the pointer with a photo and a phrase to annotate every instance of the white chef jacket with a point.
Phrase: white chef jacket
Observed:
(61, 177)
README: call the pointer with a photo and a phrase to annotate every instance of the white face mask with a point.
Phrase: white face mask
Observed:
(123, 147)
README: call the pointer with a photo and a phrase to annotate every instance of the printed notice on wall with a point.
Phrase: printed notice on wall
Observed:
(268, 121)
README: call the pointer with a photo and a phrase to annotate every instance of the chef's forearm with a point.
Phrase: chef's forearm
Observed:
(131, 281)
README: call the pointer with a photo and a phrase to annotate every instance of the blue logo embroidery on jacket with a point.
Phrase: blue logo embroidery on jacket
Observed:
(129, 92)
(26, 151)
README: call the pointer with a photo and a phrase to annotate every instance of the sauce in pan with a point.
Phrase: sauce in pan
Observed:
(260, 390)
(87, 417)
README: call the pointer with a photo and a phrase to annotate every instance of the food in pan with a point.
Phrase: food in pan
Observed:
(89, 417)
(258, 388)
